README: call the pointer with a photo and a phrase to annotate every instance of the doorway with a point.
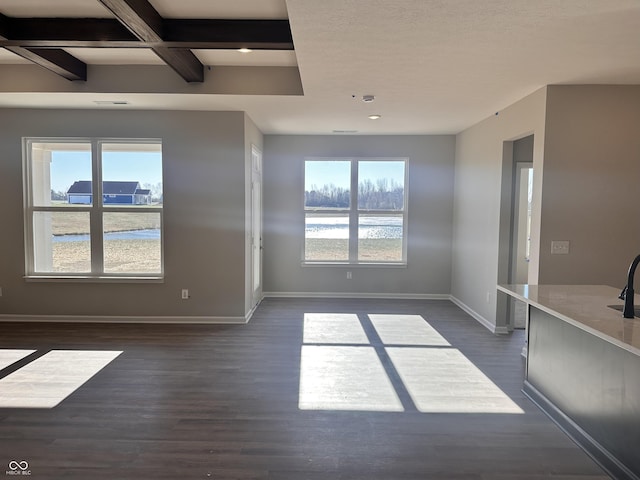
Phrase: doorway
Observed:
(520, 225)
(515, 228)
(520, 247)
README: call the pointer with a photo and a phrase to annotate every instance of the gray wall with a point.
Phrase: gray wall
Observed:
(482, 161)
(523, 149)
(591, 184)
(586, 159)
(586, 143)
(204, 215)
(429, 207)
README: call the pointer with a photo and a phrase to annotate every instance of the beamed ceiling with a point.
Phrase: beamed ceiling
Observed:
(434, 66)
(136, 24)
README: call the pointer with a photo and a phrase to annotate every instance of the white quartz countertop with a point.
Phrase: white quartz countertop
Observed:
(585, 306)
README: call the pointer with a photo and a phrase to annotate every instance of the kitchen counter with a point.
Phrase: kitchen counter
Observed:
(583, 369)
(586, 307)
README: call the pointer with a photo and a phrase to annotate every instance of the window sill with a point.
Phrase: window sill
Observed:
(355, 265)
(89, 279)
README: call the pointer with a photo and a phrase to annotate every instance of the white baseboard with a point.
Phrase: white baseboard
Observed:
(385, 296)
(405, 296)
(479, 318)
(250, 313)
(243, 320)
(125, 319)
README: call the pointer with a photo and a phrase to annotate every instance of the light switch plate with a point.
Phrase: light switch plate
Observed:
(559, 247)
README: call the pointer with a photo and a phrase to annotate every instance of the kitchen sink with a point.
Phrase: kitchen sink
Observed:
(636, 309)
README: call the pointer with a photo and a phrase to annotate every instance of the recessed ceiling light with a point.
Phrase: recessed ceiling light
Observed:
(375, 117)
(245, 50)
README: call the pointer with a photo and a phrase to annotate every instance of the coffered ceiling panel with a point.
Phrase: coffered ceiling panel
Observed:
(53, 8)
(256, 58)
(256, 9)
(116, 56)
(8, 58)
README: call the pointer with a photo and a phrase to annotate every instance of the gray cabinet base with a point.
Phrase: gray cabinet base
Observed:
(600, 455)
(590, 387)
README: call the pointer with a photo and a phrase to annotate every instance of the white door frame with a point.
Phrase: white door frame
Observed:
(519, 231)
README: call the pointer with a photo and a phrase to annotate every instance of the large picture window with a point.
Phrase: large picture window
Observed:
(93, 208)
(355, 211)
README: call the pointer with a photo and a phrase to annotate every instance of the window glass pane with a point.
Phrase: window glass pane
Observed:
(60, 174)
(132, 243)
(327, 184)
(61, 242)
(381, 185)
(326, 238)
(131, 174)
(380, 238)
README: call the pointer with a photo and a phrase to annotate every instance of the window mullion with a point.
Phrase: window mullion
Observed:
(97, 261)
(405, 213)
(353, 214)
(29, 209)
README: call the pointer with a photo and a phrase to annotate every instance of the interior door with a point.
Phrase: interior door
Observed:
(522, 222)
(521, 234)
(256, 225)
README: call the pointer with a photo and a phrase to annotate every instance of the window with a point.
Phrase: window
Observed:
(355, 211)
(93, 208)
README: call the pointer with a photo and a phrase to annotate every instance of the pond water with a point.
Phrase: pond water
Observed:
(380, 227)
(369, 227)
(150, 234)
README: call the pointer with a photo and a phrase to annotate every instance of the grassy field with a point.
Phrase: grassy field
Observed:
(77, 223)
(337, 250)
(120, 256)
(143, 256)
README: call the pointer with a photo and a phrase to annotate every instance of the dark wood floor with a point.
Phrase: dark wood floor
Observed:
(221, 402)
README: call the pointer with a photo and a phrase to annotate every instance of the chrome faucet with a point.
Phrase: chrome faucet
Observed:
(627, 292)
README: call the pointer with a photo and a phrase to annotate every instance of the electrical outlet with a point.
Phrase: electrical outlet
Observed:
(349, 276)
(185, 294)
(559, 247)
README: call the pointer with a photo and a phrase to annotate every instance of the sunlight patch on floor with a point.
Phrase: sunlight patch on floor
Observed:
(345, 378)
(406, 330)
(443, 380)
(48, 380)
(8, 356)
(343, 328)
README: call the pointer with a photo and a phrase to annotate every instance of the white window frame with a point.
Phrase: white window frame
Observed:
(353, 212)
(96, 211)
